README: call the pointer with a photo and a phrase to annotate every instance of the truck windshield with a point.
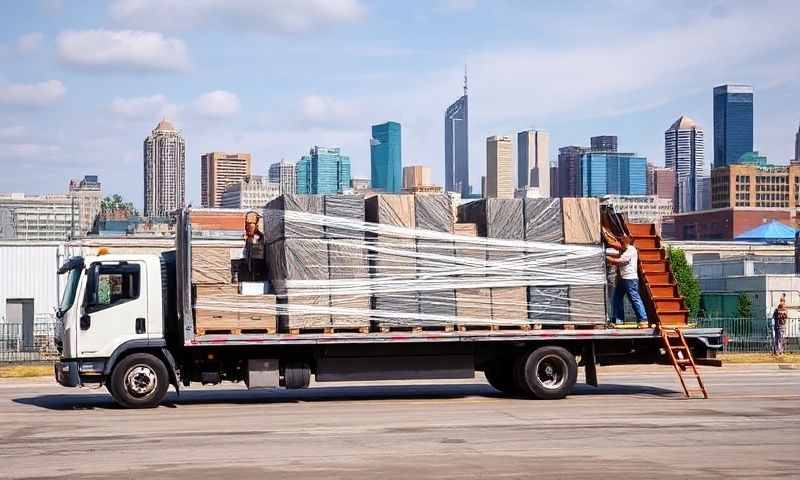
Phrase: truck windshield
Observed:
(68, 298)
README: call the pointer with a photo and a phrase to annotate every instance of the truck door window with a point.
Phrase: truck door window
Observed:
(114, 284)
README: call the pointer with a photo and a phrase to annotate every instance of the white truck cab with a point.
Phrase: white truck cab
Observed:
(111, 304)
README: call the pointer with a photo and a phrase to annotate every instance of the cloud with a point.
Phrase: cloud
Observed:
(122, 50)
(29, 42)
(218, 104)
(27, 150)
(143, 108)
(317, 110)
(39, 94)
(270, 16)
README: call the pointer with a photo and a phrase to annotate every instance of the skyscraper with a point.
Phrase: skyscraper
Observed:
(217, 171)
(456, 145)
(733, 123)
(323, 171)
(499, 168)
(604, 143)
(569, 170)
(164, 170)
(284, 174)
(533, 160)
(613, 173)
(385, 157)
(684, 153)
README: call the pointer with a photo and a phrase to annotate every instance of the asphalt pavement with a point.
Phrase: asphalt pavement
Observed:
(635, 425)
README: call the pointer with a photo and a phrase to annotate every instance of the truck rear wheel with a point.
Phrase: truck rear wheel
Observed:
(139, 380)
(500, 375)
(547, 373)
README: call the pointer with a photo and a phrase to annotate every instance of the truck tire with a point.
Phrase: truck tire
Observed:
(139, 380)
(500, 375)
(547, 373)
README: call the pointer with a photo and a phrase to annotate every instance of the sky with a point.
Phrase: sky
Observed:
(83, 83)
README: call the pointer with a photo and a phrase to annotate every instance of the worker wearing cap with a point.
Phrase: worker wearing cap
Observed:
(627, 282)
(255, 249)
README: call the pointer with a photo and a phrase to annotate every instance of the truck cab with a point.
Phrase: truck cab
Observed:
(112, 307)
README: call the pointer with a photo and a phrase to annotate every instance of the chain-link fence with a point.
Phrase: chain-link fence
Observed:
(754, 335)
(28, 342)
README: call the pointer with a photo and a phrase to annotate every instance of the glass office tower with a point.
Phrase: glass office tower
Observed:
(323, 171)
(613, 174)
(733, 123)
(385, 158)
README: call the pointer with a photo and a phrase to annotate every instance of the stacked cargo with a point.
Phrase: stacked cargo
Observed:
(297, 265)
(392, 261)
(348, 267)
(502, 219)
(587, 303)
(435, 260)
(473, 305)
(222, 304)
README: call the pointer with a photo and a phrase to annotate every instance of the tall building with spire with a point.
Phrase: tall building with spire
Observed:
(684, 153)
(164, 170)
(456, 145)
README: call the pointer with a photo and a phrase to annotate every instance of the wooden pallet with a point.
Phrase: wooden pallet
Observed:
(490, 327)
(327, 330)
(235, 331)
(416, 328)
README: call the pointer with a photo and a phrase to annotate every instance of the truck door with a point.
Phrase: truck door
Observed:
(114, 307)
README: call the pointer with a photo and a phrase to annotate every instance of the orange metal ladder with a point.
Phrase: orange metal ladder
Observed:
(681, 357)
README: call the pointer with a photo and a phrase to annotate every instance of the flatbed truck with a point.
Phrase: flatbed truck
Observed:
(141, 339)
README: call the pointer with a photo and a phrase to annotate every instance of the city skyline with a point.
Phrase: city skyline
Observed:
(275, 113)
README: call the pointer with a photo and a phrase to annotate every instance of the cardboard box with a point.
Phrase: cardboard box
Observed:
(391, 209)
(495, 217)
(434, 212)
(509, 304)
(473, 305)
(301, 309)
(297, 259)
(359, 316)
(349, 207)
(549, 304)
(581, 220)
(543, 220)
(587, 304)
(212, 265)
(278, 227)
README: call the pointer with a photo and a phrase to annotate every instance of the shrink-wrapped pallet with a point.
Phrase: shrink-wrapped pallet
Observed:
(278, 227)
(435, 262)
(393, 259)
(302, 309)
(581, 220)
(344, 206)
(587, 304)
(473, 305)
(495, 217)
(543, 220)
(298, 259)
(548, 304)
(434, 212)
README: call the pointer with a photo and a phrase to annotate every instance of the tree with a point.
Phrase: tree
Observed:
(688, 286)
(744, 307)
(117, 203)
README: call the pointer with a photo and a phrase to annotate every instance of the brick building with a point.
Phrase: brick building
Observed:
(725, 223)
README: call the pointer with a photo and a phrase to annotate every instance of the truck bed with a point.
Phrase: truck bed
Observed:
(469, 336)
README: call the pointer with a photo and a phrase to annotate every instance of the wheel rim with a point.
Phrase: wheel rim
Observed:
(141, 380)
(551, 372)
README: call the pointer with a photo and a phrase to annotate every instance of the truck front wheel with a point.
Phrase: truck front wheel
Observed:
(547, 373)
(139, 380)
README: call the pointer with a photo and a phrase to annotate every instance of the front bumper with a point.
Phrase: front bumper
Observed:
(67, 373)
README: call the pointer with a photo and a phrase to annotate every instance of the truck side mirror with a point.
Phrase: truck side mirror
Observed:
(92, 275)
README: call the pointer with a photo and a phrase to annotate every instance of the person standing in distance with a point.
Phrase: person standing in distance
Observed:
(627, 283)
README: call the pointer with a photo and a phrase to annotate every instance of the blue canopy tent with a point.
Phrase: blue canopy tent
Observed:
(772, 232)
